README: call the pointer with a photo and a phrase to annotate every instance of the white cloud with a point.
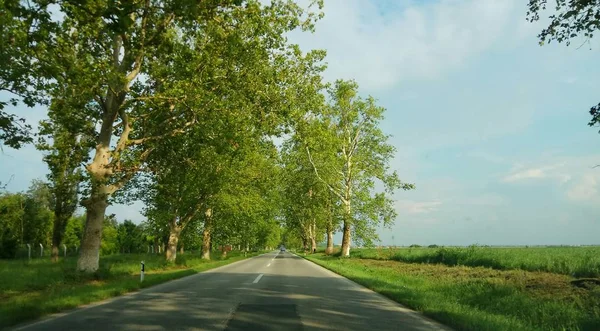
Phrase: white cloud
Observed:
(417, 207)
(586, 189)
(555, 171)
(379, 45)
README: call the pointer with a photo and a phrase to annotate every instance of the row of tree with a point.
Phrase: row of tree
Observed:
(177, 103)
(28, 218)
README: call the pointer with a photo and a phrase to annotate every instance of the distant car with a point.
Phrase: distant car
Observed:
(282, 249)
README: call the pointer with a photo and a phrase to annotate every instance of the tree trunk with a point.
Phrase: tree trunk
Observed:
(206, 234)
(329, 249)
(171, 250)
(89, 253)
(57, 234)
(346, 233)
(346, 240)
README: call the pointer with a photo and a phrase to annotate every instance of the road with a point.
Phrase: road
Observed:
(274, 291)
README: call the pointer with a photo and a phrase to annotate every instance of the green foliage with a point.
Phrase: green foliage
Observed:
(130, 238)
(571, 20)
(350, 154)
(110, 243)
(12, 210)
(21, 79)
(74, 232)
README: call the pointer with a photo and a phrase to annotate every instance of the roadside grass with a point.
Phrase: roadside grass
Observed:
(29, 290)
(477, 298)
(575, 261)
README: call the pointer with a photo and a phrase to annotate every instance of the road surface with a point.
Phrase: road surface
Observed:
(274, 291)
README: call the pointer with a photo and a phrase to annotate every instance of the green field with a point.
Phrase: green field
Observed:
(481, 288)
(32, 289)
(574, 261)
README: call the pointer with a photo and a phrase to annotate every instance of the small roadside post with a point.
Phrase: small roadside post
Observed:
(65, 250)
(29, 251)
(41, 250)
(142, 272)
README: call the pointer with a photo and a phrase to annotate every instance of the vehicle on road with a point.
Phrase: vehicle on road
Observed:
(282, 249)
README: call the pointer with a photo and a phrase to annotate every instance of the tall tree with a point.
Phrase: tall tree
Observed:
(64, 157)
(101, 49)
(571, 19)
(38, 216)
(355, 154)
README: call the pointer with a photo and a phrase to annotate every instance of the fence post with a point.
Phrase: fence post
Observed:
(41, 250)
(29, 251)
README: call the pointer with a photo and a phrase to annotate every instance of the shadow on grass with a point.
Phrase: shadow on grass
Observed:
(65, 288)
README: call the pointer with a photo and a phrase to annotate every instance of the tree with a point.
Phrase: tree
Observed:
(354, 153)
(21, 78)
(573, 19)
(99, 50)
(37, 217)
(64, 159)
(130, 238)
(110, 244)
(74, 232)
(306, 197)
(12, 223)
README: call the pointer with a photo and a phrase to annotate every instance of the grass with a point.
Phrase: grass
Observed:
(477, 298)
(29, 290)
(574, 261)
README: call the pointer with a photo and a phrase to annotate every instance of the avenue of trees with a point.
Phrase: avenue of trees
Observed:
(179, 103)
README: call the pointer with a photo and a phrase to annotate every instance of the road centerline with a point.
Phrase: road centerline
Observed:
(257, 279)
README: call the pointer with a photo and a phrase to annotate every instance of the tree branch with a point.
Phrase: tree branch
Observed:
(319, 176)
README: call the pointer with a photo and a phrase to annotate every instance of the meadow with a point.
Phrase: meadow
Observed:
(31, 289)
(484, 288)
(575, 261)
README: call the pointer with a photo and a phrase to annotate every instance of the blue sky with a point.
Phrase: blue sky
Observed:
(489, 126)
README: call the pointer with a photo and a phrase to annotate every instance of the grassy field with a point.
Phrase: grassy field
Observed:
(29, 290)
(574, 261)
(479, 297)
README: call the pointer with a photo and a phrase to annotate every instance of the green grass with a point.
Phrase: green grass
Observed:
(29, 290)
(477, 298)
(575, 261)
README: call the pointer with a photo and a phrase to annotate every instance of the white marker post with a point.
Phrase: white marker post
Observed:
(41, 250)
(142, 272)
(65, 249)
(29, 251)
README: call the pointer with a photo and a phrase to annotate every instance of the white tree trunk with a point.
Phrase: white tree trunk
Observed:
(206, 234)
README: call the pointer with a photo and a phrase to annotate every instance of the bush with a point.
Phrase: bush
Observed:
(415, 246)
(433, 246)
(9, 245)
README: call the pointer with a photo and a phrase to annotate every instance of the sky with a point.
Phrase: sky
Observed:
(489, 126)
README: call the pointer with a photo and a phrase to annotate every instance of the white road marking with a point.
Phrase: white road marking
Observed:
(268, 265)
(257, 279)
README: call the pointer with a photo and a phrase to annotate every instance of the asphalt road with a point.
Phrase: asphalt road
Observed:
(274, 291)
